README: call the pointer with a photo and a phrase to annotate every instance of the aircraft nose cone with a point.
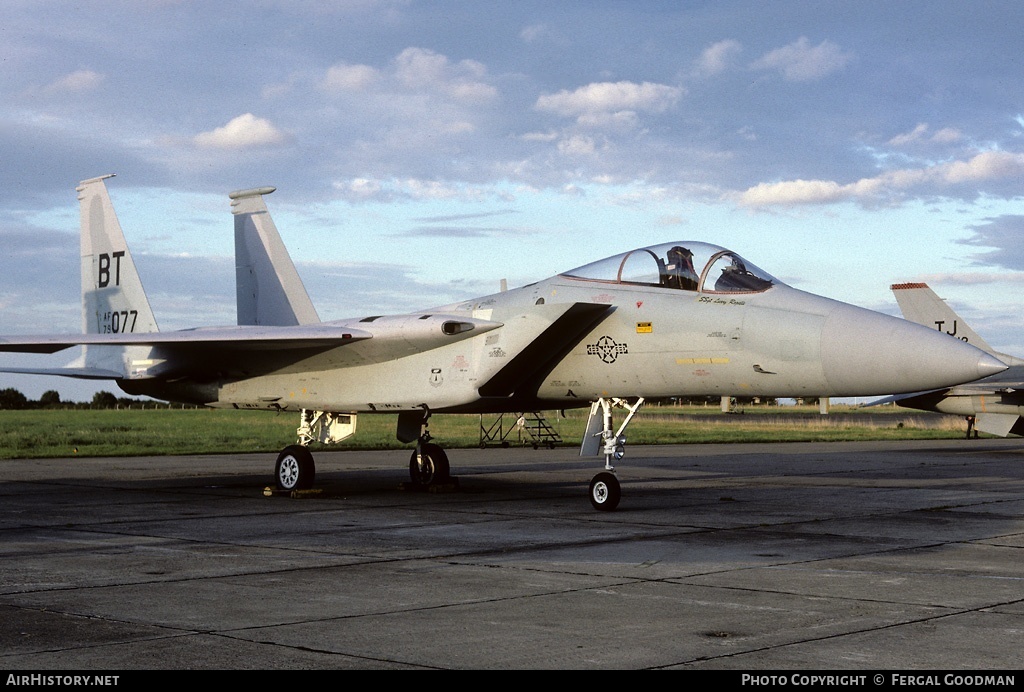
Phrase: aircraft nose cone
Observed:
(989, 365)
(866, 353)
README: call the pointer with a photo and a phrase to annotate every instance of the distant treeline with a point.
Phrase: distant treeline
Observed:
(13, 400)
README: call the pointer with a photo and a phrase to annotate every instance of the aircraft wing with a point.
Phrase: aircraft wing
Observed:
(233, 338)
(78, 373)
(255, 349)
(988, 387)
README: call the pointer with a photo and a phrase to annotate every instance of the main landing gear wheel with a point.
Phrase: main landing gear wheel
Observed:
(605, 492)
(429, 466)
(295, 469)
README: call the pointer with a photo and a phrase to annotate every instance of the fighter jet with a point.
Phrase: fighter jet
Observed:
(676, 319)
(993, 405)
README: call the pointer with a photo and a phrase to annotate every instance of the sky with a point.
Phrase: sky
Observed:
(423, 151)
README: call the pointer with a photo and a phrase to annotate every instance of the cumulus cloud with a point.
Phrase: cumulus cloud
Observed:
(947, 135)
(791, 192)
(419, 68)
(920, 133)
(244, 132)
(539, 136)
(609, 98)
(989, 166)
(534, 32)
(914, 135)
(345, 77)
(718, 57)
(802, 62)
(360, 188)
(577, 145)
(618, 120)
(377, 190)
(75, 82)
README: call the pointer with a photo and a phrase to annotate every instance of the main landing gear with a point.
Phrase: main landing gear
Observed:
(295, 469)
(605, 491)
(428, 464)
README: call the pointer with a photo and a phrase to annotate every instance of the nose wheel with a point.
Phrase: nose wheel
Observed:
(605, 491)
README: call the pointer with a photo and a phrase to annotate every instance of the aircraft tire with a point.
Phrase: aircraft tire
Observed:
(295, 469)
(435, 467)
(605, 492)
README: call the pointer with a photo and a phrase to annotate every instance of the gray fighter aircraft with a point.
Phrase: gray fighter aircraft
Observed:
(993, 405)
(682, 318)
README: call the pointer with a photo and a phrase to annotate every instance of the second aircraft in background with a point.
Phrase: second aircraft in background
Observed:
(993, 405)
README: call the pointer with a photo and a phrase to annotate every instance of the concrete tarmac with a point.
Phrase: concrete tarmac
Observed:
(863, 556)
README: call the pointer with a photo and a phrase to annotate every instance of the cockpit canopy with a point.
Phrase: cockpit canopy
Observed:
(687, 266)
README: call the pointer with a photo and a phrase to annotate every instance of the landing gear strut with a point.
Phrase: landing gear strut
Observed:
(605, 491)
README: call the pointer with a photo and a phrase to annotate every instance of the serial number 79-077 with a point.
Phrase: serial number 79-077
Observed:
(119, 322)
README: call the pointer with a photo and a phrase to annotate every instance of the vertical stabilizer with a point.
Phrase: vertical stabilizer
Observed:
(113, 300)
(269, 290)
(919, 304)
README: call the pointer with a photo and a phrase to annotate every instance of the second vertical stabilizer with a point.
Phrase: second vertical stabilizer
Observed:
(269, 290)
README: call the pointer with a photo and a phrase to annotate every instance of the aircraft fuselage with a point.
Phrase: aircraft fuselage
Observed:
(636, 340)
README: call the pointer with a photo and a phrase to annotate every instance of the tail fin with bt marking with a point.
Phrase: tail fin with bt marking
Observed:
(113, 300)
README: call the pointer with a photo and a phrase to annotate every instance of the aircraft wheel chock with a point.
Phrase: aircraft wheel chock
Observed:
(295, 469)
(605, 491)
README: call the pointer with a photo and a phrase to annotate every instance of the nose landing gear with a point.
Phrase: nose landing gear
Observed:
(605, 491)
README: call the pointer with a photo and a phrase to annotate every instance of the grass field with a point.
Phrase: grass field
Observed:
(64, 433)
